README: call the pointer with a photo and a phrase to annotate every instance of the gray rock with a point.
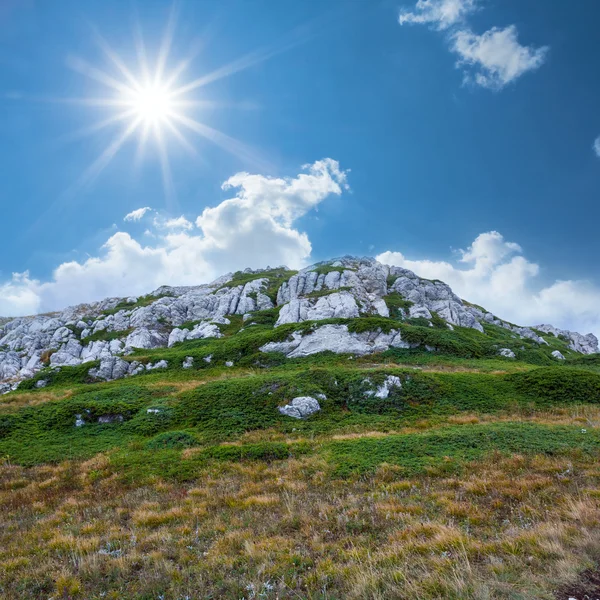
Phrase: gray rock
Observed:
(336, 338)
(300, 407)
(391, 381)
(188, 363)
(68, 355)
(106, 419)
(507, 353)
(110, 368)
(558, 355)
(200, 331)
(135, 368)
(336, 305)
(146, 338)
(161, 364)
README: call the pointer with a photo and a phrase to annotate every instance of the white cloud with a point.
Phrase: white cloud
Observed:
(136, 215)
(441, 14)
(254, 228)
(493, 273)
(597, 146)
(495, 58)
(491, 60)
(177, 223)
(19, 294)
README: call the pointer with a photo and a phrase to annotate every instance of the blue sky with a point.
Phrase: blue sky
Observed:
(449, 124)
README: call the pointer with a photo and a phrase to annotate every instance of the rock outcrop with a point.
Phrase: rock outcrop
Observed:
(106, 332)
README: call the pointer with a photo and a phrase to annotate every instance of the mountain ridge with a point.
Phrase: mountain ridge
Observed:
(346, 288)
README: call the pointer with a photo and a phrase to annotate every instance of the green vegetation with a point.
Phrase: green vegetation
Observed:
(471, 476)
(327, 292)
(141, 301)
(275, 278)
(325, 269)
(451, 448)
(107, 336)
(397, 305)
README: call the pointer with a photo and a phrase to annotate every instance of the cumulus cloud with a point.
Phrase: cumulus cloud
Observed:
(597, 146)
(491, 60)
(178, 223)
(495, 58)
(440, 14)
(136, 215)
(18, 295)
(253, 228)
(493, 273)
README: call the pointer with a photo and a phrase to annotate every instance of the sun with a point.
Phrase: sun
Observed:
(152, 104)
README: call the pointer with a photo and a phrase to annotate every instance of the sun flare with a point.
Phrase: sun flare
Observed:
(155, 102)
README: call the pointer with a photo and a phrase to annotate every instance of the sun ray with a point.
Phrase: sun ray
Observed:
(165, 166)
(140, 48)
(233, 146)
(87, 131)
(92, 172)
(140, 150)
(83, 67)
(181, 138)
(165, 47)
(116, 60)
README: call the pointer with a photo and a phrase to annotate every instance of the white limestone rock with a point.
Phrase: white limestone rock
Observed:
(558, 355)
(336, 305)
(10, 365)
(585, 344)
(68, 355)
(199, 331)
(161, 364)
(146, 338)
(188, 363)
(300, 407)
(336, 338)
(383, 391)
(110, 368)
(507, 353)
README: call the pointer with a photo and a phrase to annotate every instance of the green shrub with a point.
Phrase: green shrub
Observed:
(397, 305)
(325, 269)
(170, 440)
(558, 384)
(107, 336)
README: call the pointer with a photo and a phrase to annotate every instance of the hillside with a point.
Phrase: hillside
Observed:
(347, 431)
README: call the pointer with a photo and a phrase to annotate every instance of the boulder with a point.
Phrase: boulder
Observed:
(300, 407)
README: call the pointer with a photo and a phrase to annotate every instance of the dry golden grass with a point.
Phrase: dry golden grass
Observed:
(515, 527)
(19, 400)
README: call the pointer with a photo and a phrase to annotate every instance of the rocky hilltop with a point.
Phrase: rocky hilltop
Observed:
(353, 305)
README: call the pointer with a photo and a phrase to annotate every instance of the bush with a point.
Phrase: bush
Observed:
(558, 384)
(170, 440)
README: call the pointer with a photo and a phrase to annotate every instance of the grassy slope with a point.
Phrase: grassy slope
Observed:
(478, 478)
